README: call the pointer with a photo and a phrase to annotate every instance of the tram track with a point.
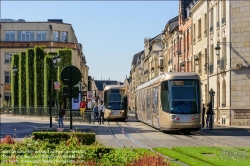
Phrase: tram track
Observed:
(137, 142)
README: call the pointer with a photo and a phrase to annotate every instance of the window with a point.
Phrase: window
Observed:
(64, 36)
(25, 35)
(7, 96)
(41, 35)
(223, 8)
(194, 33)
(161, 62)
(164, 96)
(7, 77)
(9, 35)
(205, 21)
(212, 17)
(7, 57)
(55, 35)
(199, 28)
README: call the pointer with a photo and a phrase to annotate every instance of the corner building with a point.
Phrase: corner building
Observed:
(18, 36)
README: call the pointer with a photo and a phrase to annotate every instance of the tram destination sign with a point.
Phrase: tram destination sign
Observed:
(242, 114)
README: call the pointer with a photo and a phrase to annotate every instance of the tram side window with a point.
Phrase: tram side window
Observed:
(106, 99)
(164, 96)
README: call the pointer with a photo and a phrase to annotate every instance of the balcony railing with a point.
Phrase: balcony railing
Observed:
(223, 20)
(179, 53)
(218, 24)
(211, 29)
(211, 68)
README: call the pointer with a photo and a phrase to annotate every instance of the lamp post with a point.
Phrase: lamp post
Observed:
(212, 93)
(56, 59)
(182, 66)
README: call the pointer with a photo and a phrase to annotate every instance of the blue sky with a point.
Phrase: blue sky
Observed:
(111, 32)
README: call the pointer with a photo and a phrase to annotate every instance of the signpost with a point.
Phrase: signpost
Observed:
(56, 85)
(70, 76)
(89, 95)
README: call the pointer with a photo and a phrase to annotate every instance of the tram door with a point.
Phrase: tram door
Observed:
(149, 107)
(155, 109)
(125, 101)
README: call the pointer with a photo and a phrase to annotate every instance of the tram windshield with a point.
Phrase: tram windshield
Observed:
(116, 100)
(184, 97)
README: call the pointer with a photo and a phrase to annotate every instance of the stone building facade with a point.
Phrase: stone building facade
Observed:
(19, 35)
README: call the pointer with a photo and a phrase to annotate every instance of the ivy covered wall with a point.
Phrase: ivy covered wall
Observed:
(66, 59)
(30, 86)
(38, 76)
(14, 81)
(29, 63)
(22, 80)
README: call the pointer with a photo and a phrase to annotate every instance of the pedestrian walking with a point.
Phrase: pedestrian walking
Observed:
(83, 106)
(203, 116)
(101, 110)
(209, 114)
(61, 115)
(95, 112)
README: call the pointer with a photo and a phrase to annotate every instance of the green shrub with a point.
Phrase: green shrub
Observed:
(56, 137)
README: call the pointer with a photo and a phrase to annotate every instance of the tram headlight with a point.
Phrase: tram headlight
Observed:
(196, 116)
(173, 116)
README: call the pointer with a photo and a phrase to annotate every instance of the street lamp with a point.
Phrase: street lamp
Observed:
(212, 93)
(56, 59)
(217, 49)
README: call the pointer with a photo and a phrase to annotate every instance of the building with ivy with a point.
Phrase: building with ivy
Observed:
(34, 44)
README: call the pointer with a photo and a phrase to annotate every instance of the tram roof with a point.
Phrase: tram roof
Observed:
(169, 75)
(113, 87)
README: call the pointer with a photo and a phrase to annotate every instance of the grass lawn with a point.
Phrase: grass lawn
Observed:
(221, 156)
(181, 157)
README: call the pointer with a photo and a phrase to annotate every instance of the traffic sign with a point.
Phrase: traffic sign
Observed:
(71, 75)
(56, 85)
(89, 95)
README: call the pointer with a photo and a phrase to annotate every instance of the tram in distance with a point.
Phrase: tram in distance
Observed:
(115, 102)
(170, 102)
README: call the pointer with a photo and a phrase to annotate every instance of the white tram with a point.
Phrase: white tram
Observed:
(171, 101)
(116, 102)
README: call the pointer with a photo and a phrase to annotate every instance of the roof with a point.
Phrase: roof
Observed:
(172, 23)
(135, 57)
(184, 5)
(99, 83)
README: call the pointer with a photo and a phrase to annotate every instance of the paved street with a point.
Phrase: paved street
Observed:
(132, 133)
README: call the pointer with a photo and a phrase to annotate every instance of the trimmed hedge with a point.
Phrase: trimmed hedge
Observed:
(38, 76)
(22, 80)
(14, 81)
(66, 59)
(29, 63)
(56, 137)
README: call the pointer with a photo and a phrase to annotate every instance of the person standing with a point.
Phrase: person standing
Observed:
(83, 105)
(95, 112)
(61, 115)
(101, 110)
(209, 115)
(203, 116)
